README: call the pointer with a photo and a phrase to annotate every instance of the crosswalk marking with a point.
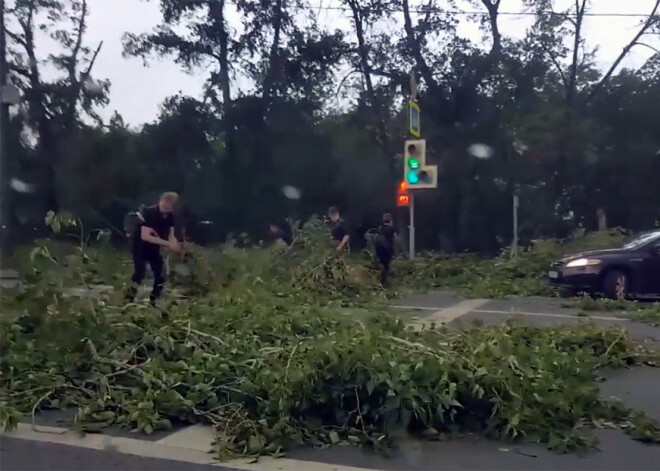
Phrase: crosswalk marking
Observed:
(457, 310)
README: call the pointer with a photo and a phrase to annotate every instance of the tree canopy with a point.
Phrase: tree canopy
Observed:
(325, 112)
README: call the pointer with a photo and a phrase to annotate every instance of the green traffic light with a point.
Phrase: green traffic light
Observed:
(413, 163)
(412, 177)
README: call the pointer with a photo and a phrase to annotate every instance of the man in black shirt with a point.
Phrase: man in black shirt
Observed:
(156, 230)
(339, 230)
(384, 246)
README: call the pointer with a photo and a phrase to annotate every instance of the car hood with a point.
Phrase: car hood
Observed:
(594, 254)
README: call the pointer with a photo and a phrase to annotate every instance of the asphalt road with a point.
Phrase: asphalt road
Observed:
(638, 387)
(28, 455)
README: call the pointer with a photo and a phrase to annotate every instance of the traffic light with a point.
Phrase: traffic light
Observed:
(402, 196)
(416, 173)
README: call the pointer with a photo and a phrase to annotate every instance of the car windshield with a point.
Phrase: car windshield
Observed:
(642, 239)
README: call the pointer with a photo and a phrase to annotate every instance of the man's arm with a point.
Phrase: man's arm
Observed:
(171, 237)
(147, 234)
(343, 242)
(172, 242)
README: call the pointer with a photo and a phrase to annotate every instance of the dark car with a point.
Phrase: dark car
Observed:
(632, 270)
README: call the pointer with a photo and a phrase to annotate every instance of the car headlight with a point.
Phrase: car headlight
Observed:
(582, 262)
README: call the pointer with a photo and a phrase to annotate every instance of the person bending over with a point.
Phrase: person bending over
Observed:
(155, 230)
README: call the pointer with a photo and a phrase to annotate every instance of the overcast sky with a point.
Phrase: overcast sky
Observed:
(137, 91)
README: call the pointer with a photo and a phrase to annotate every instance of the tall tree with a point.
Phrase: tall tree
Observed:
(196, 33)
(363, 16)
(55, 108)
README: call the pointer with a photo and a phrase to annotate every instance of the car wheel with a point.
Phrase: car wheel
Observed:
(616, 285)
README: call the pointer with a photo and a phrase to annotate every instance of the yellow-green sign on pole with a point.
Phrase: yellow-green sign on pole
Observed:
(415, 127)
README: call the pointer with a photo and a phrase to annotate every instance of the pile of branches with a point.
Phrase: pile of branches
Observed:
(312, 266)
(258, 351)
(269, 372)
(524, 274)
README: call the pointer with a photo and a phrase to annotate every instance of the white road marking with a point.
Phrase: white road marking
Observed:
(416, 308)
(547, 314)
(439, 311)
(160, 450)
(448, 314)
(457, 310)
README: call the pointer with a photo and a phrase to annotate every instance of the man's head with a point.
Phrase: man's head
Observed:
(274, 228)
(387, 219)
(167, 202)
(333, 214)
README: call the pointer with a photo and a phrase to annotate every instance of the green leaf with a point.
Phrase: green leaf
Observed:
(56, 224)
(254, 444)
(515, 420)
(481, 372)
(163, 424)
(48, 219)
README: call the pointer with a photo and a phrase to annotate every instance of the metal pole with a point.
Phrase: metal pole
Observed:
(411, 232)
(514, 245)
(4, 125)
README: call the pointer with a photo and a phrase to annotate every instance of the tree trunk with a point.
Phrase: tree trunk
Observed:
(414, 45)
(273, 56)
(602, 219)
(6, 220)
(217, 15)
(363, 52)
(493, 10)
(577, 39)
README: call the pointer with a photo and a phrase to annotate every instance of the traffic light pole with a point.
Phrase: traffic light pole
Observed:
(411, 227)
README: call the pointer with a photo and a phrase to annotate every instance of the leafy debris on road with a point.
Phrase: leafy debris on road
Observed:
(262, 349)
(640, 311)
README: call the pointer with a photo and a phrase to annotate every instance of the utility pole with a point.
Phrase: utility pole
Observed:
(414, 130)
(417, 174)
(4, 124)
(514, 245)
(411, 234)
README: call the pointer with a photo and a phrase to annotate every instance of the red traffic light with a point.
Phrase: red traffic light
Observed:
(402, 197)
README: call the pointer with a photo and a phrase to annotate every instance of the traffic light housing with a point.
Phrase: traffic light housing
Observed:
(416, 174)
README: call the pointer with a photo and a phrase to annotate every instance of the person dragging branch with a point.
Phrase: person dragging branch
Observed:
(384, 246)
(338, 229)
(154, 229)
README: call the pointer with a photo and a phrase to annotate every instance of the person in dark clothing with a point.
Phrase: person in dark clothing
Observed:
(279, 236)
(156, 230)
(358, 237)
(384, 246)
(339, 230)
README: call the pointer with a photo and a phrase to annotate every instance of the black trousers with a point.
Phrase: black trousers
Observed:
(384, 255)
(141, 258)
